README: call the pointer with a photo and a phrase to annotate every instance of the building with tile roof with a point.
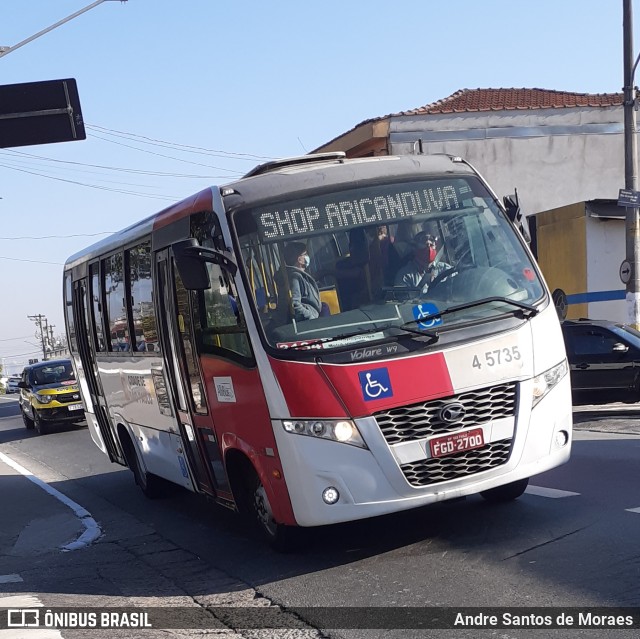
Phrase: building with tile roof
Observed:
(554, 147)
(562, 151)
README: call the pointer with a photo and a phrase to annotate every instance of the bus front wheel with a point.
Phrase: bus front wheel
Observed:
(508, 492)
(279, 536)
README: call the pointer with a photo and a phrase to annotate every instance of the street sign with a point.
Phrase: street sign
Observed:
(628, 198)
(625, 272)
(40, 113)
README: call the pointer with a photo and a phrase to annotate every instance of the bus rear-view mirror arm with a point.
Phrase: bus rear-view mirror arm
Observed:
(191, 260)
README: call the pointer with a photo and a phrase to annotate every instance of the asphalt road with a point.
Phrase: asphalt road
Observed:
(570, 541)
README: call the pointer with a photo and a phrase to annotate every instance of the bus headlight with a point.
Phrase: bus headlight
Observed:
(43, 399)
(337, 430)
(543, 383)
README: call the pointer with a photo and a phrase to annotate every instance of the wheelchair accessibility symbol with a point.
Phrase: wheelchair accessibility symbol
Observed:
(426, 310)
(375, 384)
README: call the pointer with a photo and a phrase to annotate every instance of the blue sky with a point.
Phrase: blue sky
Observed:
(241, 81)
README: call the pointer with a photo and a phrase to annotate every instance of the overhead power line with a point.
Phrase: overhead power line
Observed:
(176, 145)
(162, 155)
(19, 259)
(92, 186)
(112, 168)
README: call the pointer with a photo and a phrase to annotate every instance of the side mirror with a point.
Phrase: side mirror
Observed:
(191, 260)
(512, 208)
(619, 347)
(193, 270)
(23, 385)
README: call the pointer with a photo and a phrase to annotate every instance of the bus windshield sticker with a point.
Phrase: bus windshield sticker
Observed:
(427, 310)
(375, 384)
(323, 342)
(359, 207)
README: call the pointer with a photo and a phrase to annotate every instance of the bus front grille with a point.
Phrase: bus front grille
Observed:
(438, 469)
(418, 421)
(424, 420)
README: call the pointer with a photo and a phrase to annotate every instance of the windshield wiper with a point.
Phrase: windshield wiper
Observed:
(525, 309)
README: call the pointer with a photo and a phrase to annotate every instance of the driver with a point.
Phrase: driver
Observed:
(424, 265)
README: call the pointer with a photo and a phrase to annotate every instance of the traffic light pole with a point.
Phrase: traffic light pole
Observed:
(631, 169)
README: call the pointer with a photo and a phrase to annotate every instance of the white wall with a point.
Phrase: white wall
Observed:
(605, 252)
(551, 156)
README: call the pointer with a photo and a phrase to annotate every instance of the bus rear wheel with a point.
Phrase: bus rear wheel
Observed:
(505, 493)
(151, 485)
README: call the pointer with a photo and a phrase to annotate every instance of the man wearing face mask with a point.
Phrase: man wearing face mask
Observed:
(305, 294)
(423, 266)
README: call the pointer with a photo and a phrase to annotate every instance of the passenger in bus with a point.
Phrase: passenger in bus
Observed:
(424, 266)
(384, 261)
(351, 272)
(305, 294)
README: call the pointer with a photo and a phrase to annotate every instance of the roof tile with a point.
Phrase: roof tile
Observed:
(474, 100)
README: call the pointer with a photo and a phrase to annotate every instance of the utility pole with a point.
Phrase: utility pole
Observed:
(51, 342)
(631, 169)
(41, 323)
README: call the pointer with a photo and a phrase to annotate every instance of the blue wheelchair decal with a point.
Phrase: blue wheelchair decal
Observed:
(425, 310)
(375, 384)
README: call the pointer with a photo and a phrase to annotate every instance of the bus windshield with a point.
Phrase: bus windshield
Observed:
(338, 267)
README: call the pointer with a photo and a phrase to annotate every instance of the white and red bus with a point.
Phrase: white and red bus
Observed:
(197, 367)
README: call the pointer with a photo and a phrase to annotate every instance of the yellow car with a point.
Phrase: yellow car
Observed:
(49, 394)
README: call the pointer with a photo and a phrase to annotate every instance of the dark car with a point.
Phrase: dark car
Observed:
(604, 358)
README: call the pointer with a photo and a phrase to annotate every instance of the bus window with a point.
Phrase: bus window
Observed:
(221, 321)
(96, 302)
(115, 295)
(144, 318)
(185, 328)
(68, 308)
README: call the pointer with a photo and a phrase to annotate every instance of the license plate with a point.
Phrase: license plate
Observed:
(456, 443)
(75, 407)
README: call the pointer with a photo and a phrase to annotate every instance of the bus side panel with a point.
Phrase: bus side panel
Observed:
(131, 398)
(241, 421)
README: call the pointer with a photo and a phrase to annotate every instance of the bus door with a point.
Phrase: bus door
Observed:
(88, 358)
(183, 371)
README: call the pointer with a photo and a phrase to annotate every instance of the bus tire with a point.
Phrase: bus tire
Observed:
(28, 422)
(505, 493)
(151, 485)
(279, 536)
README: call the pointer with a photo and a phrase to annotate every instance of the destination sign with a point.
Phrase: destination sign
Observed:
(344, 210)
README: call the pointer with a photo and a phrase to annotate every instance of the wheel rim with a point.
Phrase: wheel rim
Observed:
(263, 510)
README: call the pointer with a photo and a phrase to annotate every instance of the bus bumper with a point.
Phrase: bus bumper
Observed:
(370, 482)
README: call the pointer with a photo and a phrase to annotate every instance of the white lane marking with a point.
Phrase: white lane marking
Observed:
(554, 493)
(92, 529)
(21, 602)
(10, 579)
(633, 510)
